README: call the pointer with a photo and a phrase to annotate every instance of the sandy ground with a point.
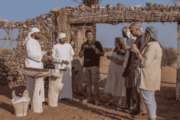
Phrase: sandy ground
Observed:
(167, 107)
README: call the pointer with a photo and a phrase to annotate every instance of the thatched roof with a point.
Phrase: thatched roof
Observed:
(112, 14)
(120, 13)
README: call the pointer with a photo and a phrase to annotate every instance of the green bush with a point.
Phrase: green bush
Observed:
(169, 56)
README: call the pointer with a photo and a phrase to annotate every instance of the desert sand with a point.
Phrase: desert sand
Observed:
(167, 107)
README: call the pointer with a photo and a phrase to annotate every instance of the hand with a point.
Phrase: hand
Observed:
(50, 58)
(109, 57)
(45, 58)
(66, 62)
(97, 51)
(87, 60)
(50, 52)
(125, 73)
(127, 47)
(82, 51)
(135, 49)
(63, 61)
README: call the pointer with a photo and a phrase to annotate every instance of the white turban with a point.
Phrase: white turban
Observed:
(128, 34)
(60, 36)
(33, 30)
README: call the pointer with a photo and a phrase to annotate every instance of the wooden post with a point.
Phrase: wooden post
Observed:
(11, 38)
(36, 105)
(178, 64)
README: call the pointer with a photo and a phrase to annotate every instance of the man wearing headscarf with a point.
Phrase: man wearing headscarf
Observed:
(63, 54)
(140, 109)
(34, 58)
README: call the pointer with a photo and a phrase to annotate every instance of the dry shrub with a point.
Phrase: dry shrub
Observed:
(169, 56)
(108, 49)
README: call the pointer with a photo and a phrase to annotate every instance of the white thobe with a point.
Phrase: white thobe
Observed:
(64, 52)
(33, 59)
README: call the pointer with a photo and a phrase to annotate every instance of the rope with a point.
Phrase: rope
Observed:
(102, 16)
(120, 16)
(109, 15)
(147, 16)
(177, 15)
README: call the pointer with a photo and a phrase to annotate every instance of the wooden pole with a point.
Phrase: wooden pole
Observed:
(36, 105)
(14, 39)
(9, 33)
(11, 39)
(178, 64)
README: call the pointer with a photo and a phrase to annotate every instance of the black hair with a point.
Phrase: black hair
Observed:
(88, 31)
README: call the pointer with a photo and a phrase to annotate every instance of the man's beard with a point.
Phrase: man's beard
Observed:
(37, 38)
(62, 42)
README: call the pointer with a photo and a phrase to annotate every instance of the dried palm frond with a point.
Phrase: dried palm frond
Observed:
(175, 1)
(89, 2)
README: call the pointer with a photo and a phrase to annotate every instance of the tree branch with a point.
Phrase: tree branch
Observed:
(77, 1)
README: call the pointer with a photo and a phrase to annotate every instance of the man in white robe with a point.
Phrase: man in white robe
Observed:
(34, 59)
(63, 54)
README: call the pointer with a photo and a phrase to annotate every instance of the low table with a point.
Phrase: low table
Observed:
(55, 85)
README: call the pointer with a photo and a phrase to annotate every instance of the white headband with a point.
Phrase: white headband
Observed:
(33, 30)
(60, 36)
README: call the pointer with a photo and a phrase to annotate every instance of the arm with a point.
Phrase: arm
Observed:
(99, 49)
(44, 53)
(149, 55)
(56, 59)
(81, 53)
(117, 61)
(32, 52)
(71, 55)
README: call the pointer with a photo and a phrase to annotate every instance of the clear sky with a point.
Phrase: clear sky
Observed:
(20, 10)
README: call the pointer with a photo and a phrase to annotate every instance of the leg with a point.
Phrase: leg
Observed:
(42, 90)
(142, 105)
(111, 99)
(149, 100)
(95, 77)
(128, 97)
(30, 86)
(87, 79)
(88, 83)
(134, 94)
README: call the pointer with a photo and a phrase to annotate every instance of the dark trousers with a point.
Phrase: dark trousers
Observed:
(91, 76)
(129, 97)
(139, 103)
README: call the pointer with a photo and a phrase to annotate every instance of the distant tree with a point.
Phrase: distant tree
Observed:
(107, 49)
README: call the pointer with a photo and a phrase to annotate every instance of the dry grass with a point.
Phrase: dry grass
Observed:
(169, 56)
